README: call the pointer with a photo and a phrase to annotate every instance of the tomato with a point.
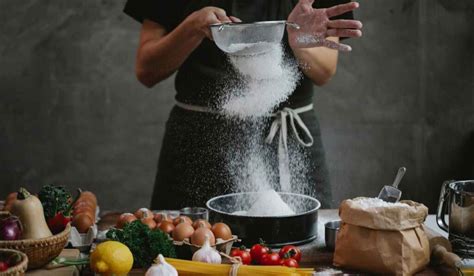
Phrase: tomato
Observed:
(243, 254)
(290, 262)
(290, 251)
(257, 251)
(270, 259)
(3, 266)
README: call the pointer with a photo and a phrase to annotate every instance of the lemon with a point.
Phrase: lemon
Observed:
(111, 258)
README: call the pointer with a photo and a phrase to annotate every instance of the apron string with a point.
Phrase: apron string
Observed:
(280, 124)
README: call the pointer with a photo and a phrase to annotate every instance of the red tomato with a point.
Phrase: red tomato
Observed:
(243, 254)
(270, 259)
(3, 266)
(257, 251)
(290, 262)
(290, 251)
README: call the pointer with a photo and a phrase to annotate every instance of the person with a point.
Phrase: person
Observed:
(175, 37)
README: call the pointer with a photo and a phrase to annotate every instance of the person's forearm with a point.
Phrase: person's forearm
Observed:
(318, 63)
(160, 57)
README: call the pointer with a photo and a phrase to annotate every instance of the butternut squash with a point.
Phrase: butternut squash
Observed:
(28, 208)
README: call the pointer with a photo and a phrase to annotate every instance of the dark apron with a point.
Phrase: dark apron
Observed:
(201, 151)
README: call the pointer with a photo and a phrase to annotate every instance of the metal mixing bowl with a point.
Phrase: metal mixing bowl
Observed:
(275, 231)
(231, 37)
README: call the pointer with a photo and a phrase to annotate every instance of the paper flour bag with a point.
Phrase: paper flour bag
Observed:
(380, 237)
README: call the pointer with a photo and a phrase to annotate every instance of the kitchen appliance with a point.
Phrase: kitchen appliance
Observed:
(248, 38)
(457, 202)
(276, 231)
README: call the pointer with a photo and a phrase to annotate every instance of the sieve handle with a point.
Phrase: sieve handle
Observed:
(441, 212)
(293, 25)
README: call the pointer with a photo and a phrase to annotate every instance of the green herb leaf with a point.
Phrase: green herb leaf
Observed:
(145, 244)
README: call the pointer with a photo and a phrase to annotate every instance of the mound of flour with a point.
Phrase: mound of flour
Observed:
(268, 204)
(373, 202)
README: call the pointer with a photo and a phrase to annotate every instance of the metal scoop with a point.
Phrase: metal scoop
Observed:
(392, 193)
(245, 39)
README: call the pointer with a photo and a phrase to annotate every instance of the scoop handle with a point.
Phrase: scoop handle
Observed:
(398, 178)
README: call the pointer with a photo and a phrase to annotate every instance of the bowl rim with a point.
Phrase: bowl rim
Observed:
(318, 206)
(230, 24)
(20, 266)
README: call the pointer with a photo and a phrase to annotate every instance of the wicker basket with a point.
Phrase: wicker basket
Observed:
(20, 268)
(41, 251)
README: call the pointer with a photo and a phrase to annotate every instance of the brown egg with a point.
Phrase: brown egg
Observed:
(199, 236)
(159, 217)
(143, 212)
(182, 231)
(124, 219)
(166, 226)
(149, 222)
(201, 223)
(82, 222)
(182, 219)
(222, 231)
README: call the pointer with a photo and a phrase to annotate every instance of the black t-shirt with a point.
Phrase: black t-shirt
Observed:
(200, 78)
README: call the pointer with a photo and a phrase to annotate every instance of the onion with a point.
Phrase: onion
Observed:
(10, 228)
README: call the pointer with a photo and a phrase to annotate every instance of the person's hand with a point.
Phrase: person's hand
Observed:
(315, 26)
(201, 19)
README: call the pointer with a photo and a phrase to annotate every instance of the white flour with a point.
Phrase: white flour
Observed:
(373, 202)
(267, 80)
(268, 204)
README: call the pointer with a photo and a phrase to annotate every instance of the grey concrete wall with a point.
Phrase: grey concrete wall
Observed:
(72, 111)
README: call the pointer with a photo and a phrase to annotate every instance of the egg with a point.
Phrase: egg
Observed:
(143, 212)
(182, 219)
(199, 236)
(124, 219)
(148, 221)
(182, 231)
(82, 222)
(201, 223)
(159, 217)
(166, 226)
(222, 231)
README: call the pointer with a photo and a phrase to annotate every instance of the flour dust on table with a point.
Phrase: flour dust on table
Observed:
(265, 80)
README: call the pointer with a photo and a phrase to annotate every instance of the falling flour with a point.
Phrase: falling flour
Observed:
(267, 80)
(268, 204)
(373, 202)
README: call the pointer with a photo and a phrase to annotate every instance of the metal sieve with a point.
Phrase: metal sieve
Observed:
(248, 38)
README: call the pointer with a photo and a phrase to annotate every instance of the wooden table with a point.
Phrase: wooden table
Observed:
(314, 255)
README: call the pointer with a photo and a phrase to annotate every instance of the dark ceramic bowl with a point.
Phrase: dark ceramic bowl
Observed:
(275, 231)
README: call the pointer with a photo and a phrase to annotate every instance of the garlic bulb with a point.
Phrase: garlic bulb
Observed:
(207, 254)
(161, 268)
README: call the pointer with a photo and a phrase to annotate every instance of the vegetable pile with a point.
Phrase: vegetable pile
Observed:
(260, 254)
(145, 243)
(7, 261)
